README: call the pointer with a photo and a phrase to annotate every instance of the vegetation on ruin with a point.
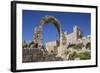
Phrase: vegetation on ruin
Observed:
(81, 56)
(76, 46)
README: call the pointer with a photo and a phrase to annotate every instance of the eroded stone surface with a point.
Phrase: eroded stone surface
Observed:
(36, 55)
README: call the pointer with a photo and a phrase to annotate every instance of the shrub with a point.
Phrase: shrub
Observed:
(82, 56)
(76, 46)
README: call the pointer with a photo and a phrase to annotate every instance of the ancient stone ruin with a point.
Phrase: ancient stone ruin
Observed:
(57, 50)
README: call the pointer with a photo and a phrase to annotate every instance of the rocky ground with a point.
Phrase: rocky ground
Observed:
(37, 55)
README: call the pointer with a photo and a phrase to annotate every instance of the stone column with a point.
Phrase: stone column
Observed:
(38, 38)
(63, 46)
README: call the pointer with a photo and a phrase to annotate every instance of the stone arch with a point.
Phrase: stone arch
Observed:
(53, 20)
(43, 22)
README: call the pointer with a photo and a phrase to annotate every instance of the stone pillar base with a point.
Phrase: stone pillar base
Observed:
(61, 51)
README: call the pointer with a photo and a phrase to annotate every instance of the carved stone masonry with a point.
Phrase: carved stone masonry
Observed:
(38, 37)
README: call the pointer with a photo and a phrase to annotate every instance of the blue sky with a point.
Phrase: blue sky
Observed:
(68, 20)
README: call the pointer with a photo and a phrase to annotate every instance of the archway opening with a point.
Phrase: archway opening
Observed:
(52, 21)
(50, 33)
